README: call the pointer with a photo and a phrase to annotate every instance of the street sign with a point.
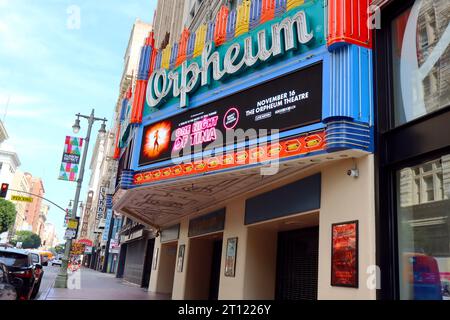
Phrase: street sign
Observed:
(72, 224)
(70, 234)
(21, 198)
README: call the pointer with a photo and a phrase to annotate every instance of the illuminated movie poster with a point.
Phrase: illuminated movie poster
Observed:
(156, 140)
(344, 259)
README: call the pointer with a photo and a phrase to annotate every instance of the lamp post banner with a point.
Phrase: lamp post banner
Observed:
(71, 158)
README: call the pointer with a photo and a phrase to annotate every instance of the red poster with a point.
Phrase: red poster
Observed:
(344, 255)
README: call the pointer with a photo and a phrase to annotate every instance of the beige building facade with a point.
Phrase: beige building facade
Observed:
(342, 198)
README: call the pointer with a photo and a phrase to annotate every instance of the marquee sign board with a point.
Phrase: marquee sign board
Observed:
(285, 103)
(284, 149)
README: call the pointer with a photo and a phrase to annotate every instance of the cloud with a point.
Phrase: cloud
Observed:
(16, 35)
(18, 99)
(32, 146)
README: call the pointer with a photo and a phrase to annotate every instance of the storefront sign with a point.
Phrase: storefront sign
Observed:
(292, 32)
(105, 234)
(77, 248)
(292, 101)
(208, 223)
(86, 242)
(344, 256)
(260, 154)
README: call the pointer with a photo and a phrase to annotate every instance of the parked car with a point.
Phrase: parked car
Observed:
(56, 261)
(19, 264)
(36, 258)
(7, 289)
(422, 274)
(46, 256)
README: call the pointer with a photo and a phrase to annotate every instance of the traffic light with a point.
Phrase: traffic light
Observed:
(4, 190)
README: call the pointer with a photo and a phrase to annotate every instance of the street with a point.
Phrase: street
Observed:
(94, 285)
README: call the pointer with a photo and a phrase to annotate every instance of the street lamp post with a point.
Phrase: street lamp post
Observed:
(61, 279)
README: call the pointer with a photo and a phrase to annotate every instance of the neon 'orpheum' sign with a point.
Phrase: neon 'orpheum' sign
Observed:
(284, 36)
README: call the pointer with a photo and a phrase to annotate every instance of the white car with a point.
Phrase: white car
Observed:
(56, 261)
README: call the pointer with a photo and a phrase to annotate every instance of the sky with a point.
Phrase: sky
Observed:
(58, 58)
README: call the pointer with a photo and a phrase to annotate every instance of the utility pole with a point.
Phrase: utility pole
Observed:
(61, 279)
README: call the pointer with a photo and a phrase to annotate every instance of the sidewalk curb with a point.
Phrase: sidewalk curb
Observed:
(44, 296)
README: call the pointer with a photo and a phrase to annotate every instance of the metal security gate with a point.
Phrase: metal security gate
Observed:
(134, 263)
(297, 264)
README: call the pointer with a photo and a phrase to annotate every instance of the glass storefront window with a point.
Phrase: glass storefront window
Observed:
(424, 230)
(421, 56)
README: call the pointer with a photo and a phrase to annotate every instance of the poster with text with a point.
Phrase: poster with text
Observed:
(344, 255)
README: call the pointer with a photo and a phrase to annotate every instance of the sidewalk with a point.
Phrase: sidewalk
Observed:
(101, 286)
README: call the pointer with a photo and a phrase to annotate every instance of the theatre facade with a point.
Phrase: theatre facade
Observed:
(248, 147)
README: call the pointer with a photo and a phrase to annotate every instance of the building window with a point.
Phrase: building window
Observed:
(232, 4)
(426, 184)
(423, 214)
(420, 65)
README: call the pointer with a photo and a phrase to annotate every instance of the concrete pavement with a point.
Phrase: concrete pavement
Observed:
(87, 284)
(50, 274)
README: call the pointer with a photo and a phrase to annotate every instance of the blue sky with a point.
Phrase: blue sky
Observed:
(50, 71)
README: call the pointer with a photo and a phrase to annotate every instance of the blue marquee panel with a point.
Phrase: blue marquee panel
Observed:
(351, 85)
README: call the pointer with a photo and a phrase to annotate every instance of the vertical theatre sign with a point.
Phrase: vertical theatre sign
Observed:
(71, 159)
(101, 206)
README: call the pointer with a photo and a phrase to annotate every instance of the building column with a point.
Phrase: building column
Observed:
(233, 287)
(179, 281)
(344, 199)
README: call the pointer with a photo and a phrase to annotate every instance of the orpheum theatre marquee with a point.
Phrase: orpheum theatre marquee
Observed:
(291, 89)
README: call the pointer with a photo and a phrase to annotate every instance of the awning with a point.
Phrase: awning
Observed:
(164, 203)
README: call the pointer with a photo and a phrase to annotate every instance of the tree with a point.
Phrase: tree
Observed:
(59, 249)
(29, 240)
(7, 215)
